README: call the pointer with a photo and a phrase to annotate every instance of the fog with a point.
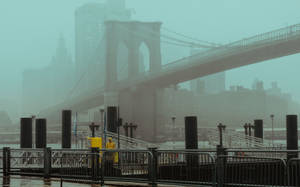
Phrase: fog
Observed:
(30, 30)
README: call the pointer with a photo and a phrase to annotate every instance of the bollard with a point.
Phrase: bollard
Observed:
(40, 133)
(26, 133)
(258, 129)
(191, 135)
(191, 142)
(66, 128)
(291, 136)
(47, 162)
(153, 166)
(112, 118)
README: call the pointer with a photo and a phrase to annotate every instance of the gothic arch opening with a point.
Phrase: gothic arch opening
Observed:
(144, 58)
(122, 61)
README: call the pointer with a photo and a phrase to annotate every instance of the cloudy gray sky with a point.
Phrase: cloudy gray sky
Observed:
(29, 31)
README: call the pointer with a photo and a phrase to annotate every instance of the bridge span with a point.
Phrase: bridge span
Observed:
(266, 46)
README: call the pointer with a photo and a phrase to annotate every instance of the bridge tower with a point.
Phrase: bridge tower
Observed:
(132, 34)
(139, 104)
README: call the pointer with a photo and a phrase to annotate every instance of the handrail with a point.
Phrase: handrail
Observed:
(232, 138)
(125, 141)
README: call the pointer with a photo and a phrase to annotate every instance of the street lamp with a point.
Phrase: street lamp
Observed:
(272, 119)
(33, 123)
(119, 124)
(93, 127)
(103, 129)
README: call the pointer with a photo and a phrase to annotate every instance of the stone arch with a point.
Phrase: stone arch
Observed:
(144, 57)
(134, 35)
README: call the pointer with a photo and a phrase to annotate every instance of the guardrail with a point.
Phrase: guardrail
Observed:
(220, 167)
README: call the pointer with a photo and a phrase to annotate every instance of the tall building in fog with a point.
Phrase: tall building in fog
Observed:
(89, 29)
(211, 84)
(49, 85)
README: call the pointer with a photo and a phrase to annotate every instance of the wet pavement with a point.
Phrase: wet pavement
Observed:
(38, 182)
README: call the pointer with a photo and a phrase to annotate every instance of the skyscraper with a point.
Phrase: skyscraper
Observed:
(89, 29)
(54, 81)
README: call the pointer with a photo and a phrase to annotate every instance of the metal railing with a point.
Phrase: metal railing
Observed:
(125, 142)
(127, 165)
(250, 171)
(220, 167)
(186, 167)
(234, 139)
(77, 167)
(293, 172)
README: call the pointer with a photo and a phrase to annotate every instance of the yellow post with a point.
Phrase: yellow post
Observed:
(96, 142)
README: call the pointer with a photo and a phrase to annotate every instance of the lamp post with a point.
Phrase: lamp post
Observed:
(103, 129)
(250, 128)
(119, 123)
(173, 134)
(131, 128)
(93, 127)
(33, 124)
(272, 119)
(250, 134)
(246, 133)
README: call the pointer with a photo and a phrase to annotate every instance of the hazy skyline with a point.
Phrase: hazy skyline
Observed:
(30, 30)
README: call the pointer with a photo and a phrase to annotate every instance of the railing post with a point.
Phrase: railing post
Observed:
(47, 162)
(6, 161)
(95, 164)
(153, 166)
(102, 167)
(221, 162)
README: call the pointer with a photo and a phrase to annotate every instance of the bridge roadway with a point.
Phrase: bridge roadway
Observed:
(270, 45)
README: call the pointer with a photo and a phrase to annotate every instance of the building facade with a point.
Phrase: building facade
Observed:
(48, 86)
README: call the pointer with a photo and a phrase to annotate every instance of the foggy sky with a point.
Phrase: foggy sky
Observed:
(29, 31)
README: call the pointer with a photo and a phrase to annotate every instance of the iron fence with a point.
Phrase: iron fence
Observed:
(127, 165)
(58, 154)
(79, 167)
(232, 167)
(250, 171)
(186, 166)
(293, 172)
(25, 162)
